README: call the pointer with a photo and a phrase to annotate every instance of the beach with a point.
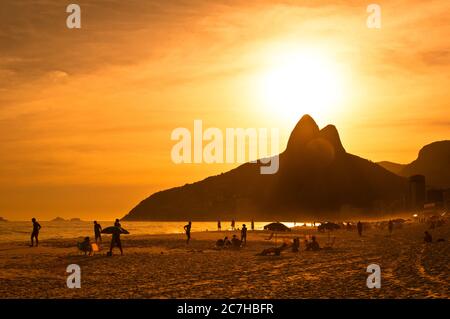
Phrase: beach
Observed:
(163, 266)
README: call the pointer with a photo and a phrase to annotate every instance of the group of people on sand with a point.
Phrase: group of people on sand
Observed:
(85, 245)
(235, 242)
(312, 245)
(223, 242)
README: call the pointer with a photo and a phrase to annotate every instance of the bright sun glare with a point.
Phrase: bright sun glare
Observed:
(302, 82)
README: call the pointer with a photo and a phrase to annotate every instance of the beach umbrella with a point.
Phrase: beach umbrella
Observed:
(114, 230)
(276, 227)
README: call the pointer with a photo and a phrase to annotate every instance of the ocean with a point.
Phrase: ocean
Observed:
(21, 230)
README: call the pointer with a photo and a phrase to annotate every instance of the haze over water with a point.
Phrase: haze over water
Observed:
(21, 230)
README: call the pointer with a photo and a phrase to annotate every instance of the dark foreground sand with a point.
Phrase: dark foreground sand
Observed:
(163, 266)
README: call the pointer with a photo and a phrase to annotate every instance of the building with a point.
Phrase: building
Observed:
(417, 192)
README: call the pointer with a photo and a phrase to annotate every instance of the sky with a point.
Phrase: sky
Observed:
(86, 115)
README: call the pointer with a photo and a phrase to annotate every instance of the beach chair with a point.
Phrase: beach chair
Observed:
(95, 248)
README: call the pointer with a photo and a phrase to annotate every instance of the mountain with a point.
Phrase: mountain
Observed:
(433, 162)
(317, 178)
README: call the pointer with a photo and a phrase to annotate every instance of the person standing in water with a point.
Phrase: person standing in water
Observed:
(219, 225)
(97, 231)
(252, 225)
(233, 225)
(360, 228)
(35, 233)
(187, 229)
(244, 234)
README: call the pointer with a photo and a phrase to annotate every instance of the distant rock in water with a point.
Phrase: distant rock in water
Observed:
(58, 219)
(433, 162)
(317, 178)
(3, 220)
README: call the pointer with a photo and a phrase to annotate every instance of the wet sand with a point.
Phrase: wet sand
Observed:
(162, 266)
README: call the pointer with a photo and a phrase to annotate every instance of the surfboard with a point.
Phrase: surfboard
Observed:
(114, 230)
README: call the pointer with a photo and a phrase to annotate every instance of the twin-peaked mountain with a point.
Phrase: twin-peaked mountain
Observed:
(317, 178)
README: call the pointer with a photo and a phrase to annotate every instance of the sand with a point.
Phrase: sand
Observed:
(162, 266)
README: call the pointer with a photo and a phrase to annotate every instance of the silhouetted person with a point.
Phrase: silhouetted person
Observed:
(223, 242)
(219, 225)
(273, 250)
(235, 242)
(233, 225)
(35, 233)
(359, 226)
(295, 245)
(117, 223)
(252, 225)
(428, 238)
(97, 231)
(313, 245)
(244, 234)
(187, 229)
(85, 246)
(115, 240)
(390, 226)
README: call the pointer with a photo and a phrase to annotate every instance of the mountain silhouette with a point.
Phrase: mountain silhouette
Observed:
(317, 178)
(433, 162)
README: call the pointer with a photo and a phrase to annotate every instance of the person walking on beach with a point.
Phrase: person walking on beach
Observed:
(35, 233)
(187, 229)
(219, 225)
(233, 225)
(97, 231)
(115, 241)
(244, 234)
(252, 225)
(390, 226)
(359, 226)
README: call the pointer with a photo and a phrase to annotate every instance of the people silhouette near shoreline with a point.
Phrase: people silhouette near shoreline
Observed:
(359, 226)
(233, 225)
(117, 223)
(244, 234)
(115, 240)
(219, 225)
(97, 231)
(35, 233)
(187, 229)
(390, 226)
(252, 225)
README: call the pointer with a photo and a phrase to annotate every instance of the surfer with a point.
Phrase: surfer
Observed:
(117, 223)
(115, 240)
(187, 229)
(97, 231)
(35, 232)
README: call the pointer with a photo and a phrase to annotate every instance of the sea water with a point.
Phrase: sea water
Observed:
(21, 230)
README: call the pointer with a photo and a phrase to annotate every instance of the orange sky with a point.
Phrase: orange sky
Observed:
(86, 115)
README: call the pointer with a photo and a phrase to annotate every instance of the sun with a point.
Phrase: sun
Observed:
(302, 82)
